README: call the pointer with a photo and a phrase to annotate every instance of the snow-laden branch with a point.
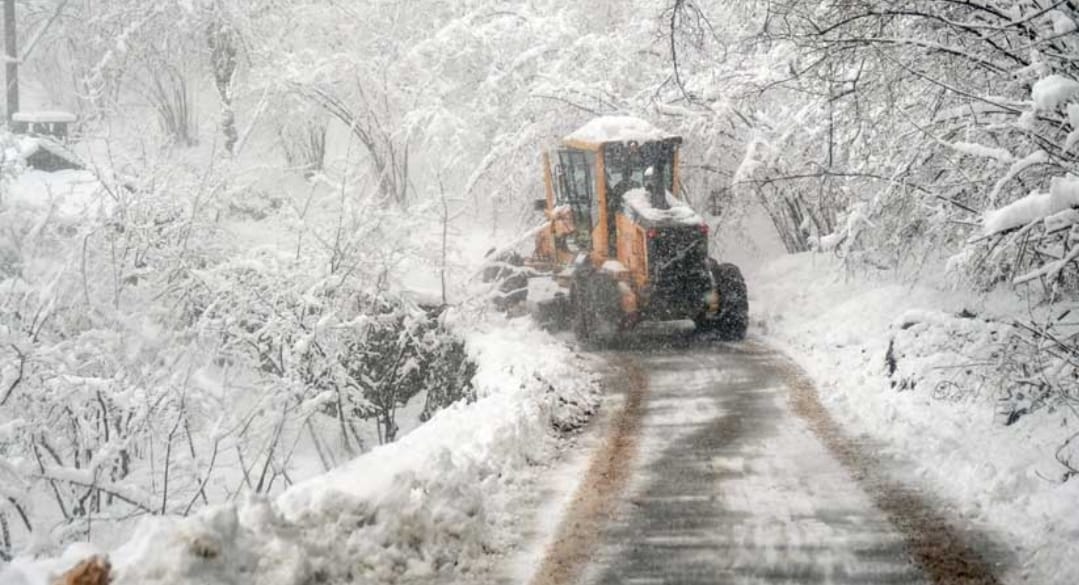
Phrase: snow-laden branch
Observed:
(83, 478)
(28, 49)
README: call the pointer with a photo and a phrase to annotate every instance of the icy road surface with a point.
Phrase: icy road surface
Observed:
(728, 475)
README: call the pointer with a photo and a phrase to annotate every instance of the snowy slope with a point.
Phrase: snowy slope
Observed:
(943, 427)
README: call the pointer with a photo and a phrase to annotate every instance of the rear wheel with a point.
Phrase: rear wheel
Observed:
(555, 314)
(732, 319)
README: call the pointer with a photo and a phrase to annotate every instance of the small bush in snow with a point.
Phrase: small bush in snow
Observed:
(966, 358)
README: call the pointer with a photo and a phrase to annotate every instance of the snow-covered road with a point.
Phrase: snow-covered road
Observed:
(732, 477)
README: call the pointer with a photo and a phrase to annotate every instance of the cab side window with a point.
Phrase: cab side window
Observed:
(576, 188)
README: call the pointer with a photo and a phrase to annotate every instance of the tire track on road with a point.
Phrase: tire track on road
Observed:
(939, 547)
(611, 469)
(924, 534)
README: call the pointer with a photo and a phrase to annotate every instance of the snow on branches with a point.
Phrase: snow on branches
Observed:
(898, 134)
(153, 363)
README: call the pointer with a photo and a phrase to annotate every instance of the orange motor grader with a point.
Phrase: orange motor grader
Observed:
(619, 247)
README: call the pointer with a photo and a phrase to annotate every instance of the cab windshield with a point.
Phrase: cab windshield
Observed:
(626, 163)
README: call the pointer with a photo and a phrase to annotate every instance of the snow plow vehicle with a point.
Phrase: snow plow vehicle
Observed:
(619, 246)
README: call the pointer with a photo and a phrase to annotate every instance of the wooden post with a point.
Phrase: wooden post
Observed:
(11, 75)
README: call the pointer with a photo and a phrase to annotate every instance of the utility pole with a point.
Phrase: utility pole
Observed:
(11, 53)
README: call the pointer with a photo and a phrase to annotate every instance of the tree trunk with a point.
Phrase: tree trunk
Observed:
(12, 52)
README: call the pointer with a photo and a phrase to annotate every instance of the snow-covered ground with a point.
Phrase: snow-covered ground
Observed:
(943, 424)
(442, 499)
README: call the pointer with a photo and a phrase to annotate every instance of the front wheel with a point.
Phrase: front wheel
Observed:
(732, 319)
(596, 307)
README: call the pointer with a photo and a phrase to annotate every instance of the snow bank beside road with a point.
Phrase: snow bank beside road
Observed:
(435, 501)
(951, 435)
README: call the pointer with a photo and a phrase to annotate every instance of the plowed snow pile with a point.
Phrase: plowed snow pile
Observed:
(437, 501)
(923, 372)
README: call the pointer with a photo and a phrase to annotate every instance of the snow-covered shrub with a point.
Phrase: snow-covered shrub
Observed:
(945, 353)
(103, 408)
(150, 364)
(172, 96)
(971, 359)
(304, 145)
(448, 370)
(360, 355)
(395, 355)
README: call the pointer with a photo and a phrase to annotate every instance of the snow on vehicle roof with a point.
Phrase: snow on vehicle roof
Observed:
(617, 129)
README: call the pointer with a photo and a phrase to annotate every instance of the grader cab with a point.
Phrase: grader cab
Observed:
(620, 246)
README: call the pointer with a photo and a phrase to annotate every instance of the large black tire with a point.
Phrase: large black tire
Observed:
(555, 314)
(596, 304)
(732, 319)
